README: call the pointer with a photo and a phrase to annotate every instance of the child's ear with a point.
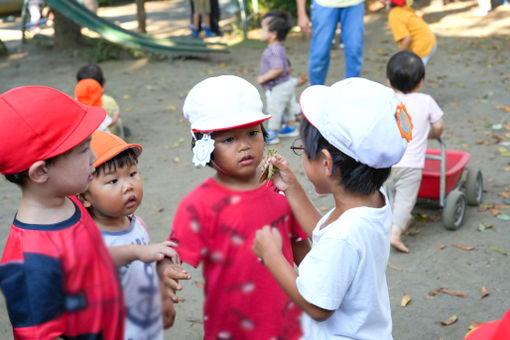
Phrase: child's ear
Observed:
(84, 199)
(38, 172)
(327, 162)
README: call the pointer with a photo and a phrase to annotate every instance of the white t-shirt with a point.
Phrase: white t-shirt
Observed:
(140, 285)
(345, 272)
(424, 111)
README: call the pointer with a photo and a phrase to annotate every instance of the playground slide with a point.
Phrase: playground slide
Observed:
(111, 32)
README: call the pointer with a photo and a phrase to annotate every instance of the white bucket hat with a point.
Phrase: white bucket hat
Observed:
(220, 103)
(363, 119)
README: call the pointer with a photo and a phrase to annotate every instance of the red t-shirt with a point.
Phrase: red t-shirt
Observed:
(59, 280)
(216, 226)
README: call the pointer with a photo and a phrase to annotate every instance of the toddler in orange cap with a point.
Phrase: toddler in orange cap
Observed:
(112, 198)
(56, 274)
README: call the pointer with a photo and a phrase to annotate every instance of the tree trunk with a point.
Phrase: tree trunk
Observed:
(3, 49)
(141, 15)
(67, 33)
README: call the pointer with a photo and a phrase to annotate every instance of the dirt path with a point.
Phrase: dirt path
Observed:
(469, 79)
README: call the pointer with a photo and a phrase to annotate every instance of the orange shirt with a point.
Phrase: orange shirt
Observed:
(404, 22)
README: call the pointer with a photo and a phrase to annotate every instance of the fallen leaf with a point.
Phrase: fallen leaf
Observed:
(495, 212)
(483, 142)
(464, 247)
(485, 206)
(506, 126)
(481, 227)
(474, 325)
(442, 246)
(160, 209)
(434, 292)
(504, 108)
(199, 284)
(323, 208)
(503, 217)
(453, 292)
(171, 108)
(126, 96)
(413, 231)
(222, 64)
(499, 250)
(502, 206)
(484, 291)
(450, 320)
(505, 194)
(128, 109)
(405, 300)
(176, 160)
(392, 266)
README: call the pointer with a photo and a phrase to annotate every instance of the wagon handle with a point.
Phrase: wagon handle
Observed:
(442, 174)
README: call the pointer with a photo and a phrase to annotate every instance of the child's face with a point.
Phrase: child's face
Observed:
(72, 172)
(115, 193)
(238, 152)
(265, 34)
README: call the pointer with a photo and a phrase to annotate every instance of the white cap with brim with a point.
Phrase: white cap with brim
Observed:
(358, 117)
(221, 103)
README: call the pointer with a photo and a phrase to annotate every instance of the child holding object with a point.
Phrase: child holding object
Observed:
(57, 276)
(216, 222)
(341, 285)
(405, 72)
(112, 198)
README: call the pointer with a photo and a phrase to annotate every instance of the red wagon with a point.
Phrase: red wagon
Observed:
(445, 180)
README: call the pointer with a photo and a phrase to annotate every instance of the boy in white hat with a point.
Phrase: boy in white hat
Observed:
(215, 224)
(349, 144)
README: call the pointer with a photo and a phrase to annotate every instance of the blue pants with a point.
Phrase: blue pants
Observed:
(324, 23)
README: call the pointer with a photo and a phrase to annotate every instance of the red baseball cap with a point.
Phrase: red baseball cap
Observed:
(38, 122)
(398, 2)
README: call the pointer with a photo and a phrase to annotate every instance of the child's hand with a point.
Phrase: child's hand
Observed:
(284, 178)
(260, 80)
(170, 274)
(268, 241)
(157, 252)
(168, 311)
(303, 78)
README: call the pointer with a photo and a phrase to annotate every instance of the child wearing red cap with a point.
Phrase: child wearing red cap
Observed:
(112, 198)
(56, 274)
(215, 224)
(341, 286)
(410, 31)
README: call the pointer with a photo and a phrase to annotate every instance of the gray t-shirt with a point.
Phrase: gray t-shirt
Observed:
(140, 285)
(274, 56)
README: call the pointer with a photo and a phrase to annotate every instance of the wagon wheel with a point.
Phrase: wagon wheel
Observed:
(454, 210)
(474, 187)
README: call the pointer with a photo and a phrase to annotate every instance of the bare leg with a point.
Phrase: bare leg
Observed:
(396, 243)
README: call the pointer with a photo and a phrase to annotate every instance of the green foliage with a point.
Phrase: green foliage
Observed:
(101, 50)
(287, 5)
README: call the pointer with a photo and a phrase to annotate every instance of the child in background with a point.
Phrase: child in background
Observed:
(93, 71)
(88, 92)
(274, 76)
(410, 31)
(202, 7)
(341, 285)
(56, 274)
(112, 198)
(405, 72)
(215, 224)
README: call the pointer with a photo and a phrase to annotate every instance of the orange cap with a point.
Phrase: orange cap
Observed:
(89, 91)
(106, 146)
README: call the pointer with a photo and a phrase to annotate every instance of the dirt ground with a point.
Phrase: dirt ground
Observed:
(468, 77)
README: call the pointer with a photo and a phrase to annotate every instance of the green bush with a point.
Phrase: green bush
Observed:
(287, 5)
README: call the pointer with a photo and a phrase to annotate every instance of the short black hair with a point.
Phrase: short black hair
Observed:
(20, 178)
(357, 178)
(126, 157)
(199, 135)
(91, 71)
(279, 22)
(405, 70)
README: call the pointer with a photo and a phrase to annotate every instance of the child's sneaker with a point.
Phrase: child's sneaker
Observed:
(209, 33)
(272, 137)
(289, 131)
(195, 34)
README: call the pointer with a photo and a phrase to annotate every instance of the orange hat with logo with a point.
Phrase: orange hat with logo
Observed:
(89, 91)
(106, 146)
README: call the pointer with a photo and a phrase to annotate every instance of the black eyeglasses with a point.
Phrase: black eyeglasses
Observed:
(297, 146)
